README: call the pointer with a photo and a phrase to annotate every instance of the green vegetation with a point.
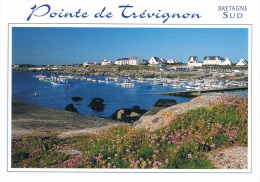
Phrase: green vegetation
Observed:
(137, 67)
(180, 145)
(224, 67)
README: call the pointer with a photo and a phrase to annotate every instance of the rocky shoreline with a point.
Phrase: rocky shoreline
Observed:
(29, 119)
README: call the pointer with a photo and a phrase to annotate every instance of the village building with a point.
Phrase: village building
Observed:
(227, 62)
(242, 62)
(128, 61)
(194, 61)
(107, 62)
(156, 61)
(172, 61)
(212, 60)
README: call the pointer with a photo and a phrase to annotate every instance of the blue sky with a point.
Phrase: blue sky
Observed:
(40, 45)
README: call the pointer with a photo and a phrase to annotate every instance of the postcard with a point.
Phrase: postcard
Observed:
(130, 90)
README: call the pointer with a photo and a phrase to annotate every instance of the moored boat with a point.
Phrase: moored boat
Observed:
(127, 85)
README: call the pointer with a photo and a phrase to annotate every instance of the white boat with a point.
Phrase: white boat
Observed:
(59, 81)
(101, 81)
(127, 85)
(190, 87)
(177, 84)
(142, 80)
(158, 82)
(83, 78)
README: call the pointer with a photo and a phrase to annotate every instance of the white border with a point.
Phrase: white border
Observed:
(15, 11)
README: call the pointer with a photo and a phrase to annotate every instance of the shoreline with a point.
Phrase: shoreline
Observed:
(28, 119)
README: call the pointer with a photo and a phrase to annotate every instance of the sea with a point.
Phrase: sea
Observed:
(25, 85)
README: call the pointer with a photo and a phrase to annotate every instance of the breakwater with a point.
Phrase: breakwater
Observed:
(195, 93)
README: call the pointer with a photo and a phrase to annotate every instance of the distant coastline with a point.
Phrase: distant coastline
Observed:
(137, 71)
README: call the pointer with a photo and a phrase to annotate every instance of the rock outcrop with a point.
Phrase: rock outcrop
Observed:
(70, 107)
(76, 98)
(97, 104)
(161, 104)
(128, 115)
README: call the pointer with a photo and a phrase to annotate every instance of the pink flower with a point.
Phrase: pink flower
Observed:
(189, 156)
(172, 136)
(156, 151)
(169, 142)
(212, 145)
(163, 138)
(175, 141)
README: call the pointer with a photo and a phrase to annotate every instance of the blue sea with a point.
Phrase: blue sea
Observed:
(25, 85)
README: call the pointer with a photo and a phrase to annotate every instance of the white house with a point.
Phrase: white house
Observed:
(194, 61)
(156, 61)
(227, 62)
(213, 60)
(242, 62)
(85, 64)
(172, 61)
(106, 62)
(128, 61)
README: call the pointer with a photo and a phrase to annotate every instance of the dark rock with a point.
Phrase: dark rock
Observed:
(76, 98)
(71, 108)
(159, 105)
(136, 107)
(165, 103)
(97, 104)
(128, 115)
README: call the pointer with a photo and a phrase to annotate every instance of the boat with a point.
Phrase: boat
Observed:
(177, 84)
(127, 85)
(158, 82)
(142, 80)
(101, 81)
(60, 81)
(190, 87)
(83, 78)
(107, 80)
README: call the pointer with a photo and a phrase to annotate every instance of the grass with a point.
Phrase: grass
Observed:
(180, 145)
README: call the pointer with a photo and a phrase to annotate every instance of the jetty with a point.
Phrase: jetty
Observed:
(195, 93)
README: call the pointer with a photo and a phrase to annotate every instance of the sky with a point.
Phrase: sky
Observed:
(74, 45)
